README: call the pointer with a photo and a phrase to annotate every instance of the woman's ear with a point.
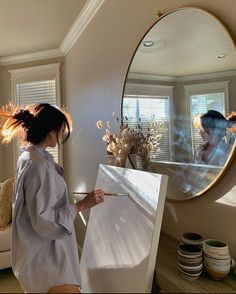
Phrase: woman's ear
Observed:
(50, 137)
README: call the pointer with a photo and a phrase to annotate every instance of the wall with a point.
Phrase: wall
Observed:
(95, 70)
(7, 164)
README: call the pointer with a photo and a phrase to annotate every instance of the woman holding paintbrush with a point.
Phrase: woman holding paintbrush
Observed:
(44, 248)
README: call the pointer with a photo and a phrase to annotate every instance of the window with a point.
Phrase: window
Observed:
(36, 85)
(204, 97)
(144, 109)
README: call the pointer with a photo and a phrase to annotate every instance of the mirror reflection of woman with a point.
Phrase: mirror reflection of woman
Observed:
(215, 149)
(231, 131)
(44, 247)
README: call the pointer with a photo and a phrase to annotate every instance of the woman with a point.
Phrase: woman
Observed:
(44, 248)
(214, 150)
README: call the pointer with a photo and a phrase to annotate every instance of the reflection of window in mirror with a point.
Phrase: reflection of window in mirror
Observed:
(201, 98)
(147, 107)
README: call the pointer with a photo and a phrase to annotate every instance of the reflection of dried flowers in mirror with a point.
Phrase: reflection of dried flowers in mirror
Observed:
(147, 140)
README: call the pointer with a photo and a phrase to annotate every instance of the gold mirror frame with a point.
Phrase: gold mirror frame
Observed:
(232, 153)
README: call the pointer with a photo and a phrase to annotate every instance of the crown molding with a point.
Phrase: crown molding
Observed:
(31, 56)
(150, 77)
(156, 78)
(87, 13)
(213, 75)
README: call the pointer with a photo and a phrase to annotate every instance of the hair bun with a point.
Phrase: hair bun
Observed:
(24, 117)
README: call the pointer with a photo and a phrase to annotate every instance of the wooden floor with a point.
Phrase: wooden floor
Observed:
(8, 282)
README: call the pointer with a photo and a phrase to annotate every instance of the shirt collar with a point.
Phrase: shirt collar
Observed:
(45, 154)
(39, 149)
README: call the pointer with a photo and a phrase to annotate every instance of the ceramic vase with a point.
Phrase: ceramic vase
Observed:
(190, 262)
(192, 239)
(142, 162)
(111, 159)
(120, 159)
(217, 259)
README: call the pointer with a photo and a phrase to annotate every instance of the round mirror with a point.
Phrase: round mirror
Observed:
(178, 97)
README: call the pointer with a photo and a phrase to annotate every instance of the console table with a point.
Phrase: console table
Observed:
(169, 279)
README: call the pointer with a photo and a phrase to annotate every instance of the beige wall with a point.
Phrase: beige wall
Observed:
(7, 164)
(95, 70)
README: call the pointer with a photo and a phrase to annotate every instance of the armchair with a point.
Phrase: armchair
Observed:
(6, 192)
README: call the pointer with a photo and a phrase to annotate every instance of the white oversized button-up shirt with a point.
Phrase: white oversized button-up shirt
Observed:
(44, 248)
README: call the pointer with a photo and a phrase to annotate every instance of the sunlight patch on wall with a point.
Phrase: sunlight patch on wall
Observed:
(82, 187)
(228, 199)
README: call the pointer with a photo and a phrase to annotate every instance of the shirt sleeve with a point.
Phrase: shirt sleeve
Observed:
(50, 217)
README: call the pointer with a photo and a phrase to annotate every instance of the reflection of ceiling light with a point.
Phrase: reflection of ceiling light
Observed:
(221, 56)
(148, 43)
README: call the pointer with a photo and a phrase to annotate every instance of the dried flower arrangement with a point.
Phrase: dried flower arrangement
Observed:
(118, 144)
(132, 140)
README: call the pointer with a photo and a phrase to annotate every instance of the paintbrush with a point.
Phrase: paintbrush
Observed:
(106, 194)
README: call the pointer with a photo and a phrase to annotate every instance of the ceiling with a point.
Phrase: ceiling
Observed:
(28, 26)
(186, 42)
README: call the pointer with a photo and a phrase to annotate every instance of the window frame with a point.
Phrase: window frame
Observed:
(34, 74)
(146, 89)
(201, 89)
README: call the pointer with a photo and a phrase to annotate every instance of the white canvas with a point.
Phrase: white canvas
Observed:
(122, 237)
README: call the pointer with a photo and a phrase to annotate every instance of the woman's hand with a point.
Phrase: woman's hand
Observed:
(93, 198)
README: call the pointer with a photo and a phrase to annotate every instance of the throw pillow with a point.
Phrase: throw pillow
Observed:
(6, 192)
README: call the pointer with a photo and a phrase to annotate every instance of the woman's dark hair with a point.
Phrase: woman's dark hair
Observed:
(33, 123)
(214, 123)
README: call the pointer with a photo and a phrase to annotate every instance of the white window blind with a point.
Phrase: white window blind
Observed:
(34, 92)
(33, 85)
(200, 104)
(144, 110)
